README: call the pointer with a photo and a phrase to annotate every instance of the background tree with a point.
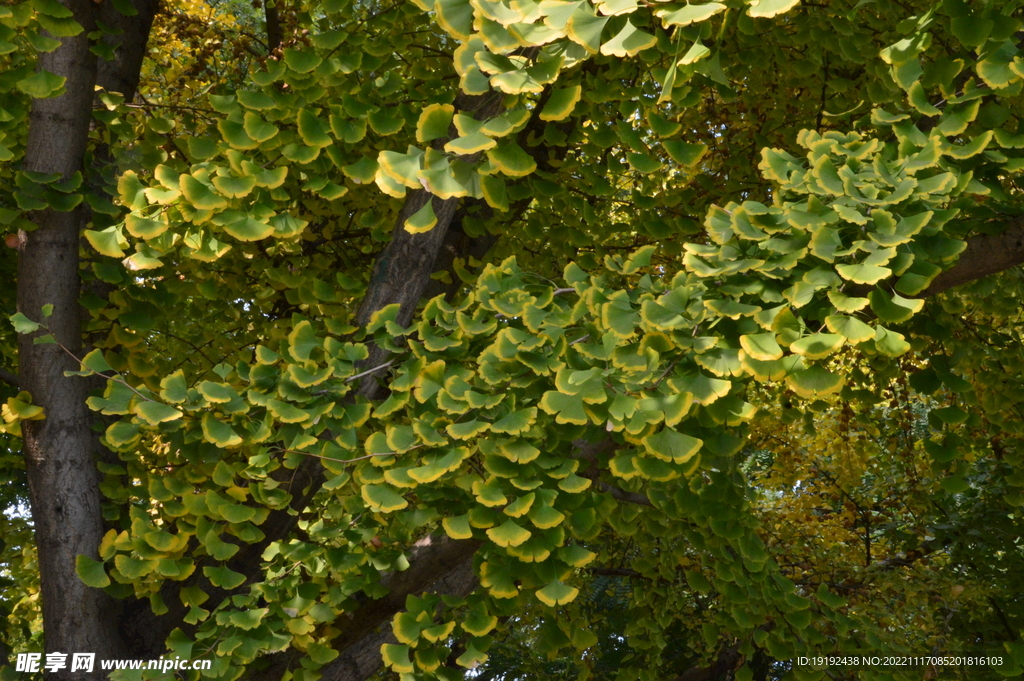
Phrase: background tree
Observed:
(635, 225)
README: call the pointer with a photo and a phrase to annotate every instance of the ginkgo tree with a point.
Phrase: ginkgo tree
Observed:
(654, 338)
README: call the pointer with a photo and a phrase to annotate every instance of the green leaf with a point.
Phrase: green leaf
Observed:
(301, 61)
(95, 361)
(256, 128)
(516, 422)
(470, 144)
(565, 408)
(628, 42)
(394, 655)
(672, 446)
(434, 122)
(818, 345)
(422, 220)
(508, 534)
(511, 160)
(383, 499)
(23, 324)
(850, 328)
(200, 195)
(302, 341)
(247, 228)
(91, 572)
(561, 103)
(234, 187)
(762, 346)
(458, 527)
(861, 273)
(42, 84)
(219, 433)
(893, 308)
(815, 382)
(224, 578)
(144, 228)
(766, 9)
(133, 568)
(557, 593)
(890, 343)
(155, 413)
(689, 14)
(52, 8)
(248, 619)
(109, 242)
(313, 131)
(585, 28)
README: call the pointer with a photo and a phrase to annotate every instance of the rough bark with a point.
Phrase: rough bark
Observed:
(121, 74)
(60, 450)
(984, 255)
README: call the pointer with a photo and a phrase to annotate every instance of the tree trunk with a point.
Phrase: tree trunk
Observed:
(60, 450)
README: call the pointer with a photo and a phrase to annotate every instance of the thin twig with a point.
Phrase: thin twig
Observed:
(358, 458)
(385, 365)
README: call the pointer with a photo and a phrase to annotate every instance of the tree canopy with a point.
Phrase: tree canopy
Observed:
(510, 339)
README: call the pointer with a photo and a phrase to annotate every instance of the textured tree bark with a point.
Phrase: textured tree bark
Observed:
(60, 450)
(121, 74)
(984, 255)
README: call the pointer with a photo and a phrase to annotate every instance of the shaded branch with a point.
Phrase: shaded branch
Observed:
(10, 378)
(985, 254)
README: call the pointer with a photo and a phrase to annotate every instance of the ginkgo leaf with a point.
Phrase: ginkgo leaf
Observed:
(144, 228)
(91, 572)
(557, 593)
(155, 413)
(199, 194)
(508, 534)
(234, 187)
(383, 499)
(762, 346)
(422, 220)
(628, 42)
(258, 129)
(770, 8)
(672, 446)
(850, 328)
(313, 131)
(434, 122)
(689, 14)
(470, 144)
(818, 345)
(561, 103)
(815, 382)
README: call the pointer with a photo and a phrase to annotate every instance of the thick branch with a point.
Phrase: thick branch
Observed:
(984, 255)
(9, 377)
(273, 17)
(59, 450)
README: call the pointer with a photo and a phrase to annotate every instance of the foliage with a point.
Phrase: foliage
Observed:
(715, 227)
